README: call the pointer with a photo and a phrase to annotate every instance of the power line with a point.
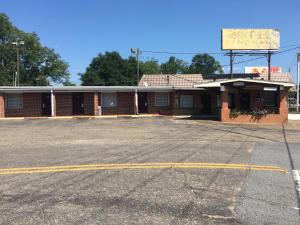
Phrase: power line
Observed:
(261, 57)
(182, 53)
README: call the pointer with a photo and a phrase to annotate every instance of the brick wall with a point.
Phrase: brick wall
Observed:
(88, 103)
(195, 110)
(2, 110)
(256, 102)
(63, 104)
(32, 106)
(152, 108)
(125, 104)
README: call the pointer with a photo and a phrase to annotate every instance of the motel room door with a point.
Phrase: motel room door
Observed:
(206, 104)
(77, 103)
(143, 103)
(46, 104)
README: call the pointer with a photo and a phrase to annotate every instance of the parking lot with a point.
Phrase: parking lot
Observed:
(147, 171)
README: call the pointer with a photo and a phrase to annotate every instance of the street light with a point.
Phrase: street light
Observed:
(137, 52)
(17, 44)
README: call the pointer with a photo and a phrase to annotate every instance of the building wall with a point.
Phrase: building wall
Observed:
(2, 109)
(88, 103)
(125, 104)
(174, 103)
(32, 106)
(64, 104)
(255, 103)
(153, 109)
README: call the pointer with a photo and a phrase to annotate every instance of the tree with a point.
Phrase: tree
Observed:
(150, 67)
(174, 66)
(205, 64)
(39, 65)
(110, 69)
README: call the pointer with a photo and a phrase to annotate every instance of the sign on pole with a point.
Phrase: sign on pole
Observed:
(250, 39)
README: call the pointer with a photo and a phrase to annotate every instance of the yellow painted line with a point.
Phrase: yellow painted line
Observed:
(87, 167)
(139, 164)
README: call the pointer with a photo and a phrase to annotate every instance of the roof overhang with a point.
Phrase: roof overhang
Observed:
(220, 83)
(46, 89)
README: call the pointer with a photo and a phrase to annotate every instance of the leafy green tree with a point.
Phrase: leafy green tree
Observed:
(110, 69)
(150, 67)
(174, 66)
(39, 65)
(205, 64)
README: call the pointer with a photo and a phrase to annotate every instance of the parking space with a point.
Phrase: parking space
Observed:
(122, 171)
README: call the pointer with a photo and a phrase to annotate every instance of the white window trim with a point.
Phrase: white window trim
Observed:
(189, 107)
(103, 93)
(6, 104)
(168, 104)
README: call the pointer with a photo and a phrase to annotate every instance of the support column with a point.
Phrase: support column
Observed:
(135, 105)
(53, 104)
(2, 109)
(283, 109)
(224, 113)
(96, 104)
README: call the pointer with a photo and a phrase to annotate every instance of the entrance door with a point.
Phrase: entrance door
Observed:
(77, 103)
(206, 104)
(245, 102)
(143, 103)
(46, 104)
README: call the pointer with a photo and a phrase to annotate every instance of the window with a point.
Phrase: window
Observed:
(109, 99)
(270, 99)
(161, 99)
(230, 101)
(186, 101)
(14, 101)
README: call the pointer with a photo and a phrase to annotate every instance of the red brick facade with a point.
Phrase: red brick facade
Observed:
(64, 106)
(175, 108)
(125, 104)
(32, 106)
(255, 103)
(152, 108)
(88, 103)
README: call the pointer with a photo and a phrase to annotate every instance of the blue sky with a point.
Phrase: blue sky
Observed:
(80, 29)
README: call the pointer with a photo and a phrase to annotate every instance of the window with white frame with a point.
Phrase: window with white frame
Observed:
(186, 101)
(14, 101)
(161, 99)
(109, 99)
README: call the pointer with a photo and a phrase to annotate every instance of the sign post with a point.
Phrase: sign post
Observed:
(263, 41)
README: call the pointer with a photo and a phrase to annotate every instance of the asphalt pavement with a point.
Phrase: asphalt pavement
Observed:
(119, 171)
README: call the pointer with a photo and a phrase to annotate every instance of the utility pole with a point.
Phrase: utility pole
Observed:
(269, 65)
(231, 64)
(17, 78)
(137, 52)
(298, 79)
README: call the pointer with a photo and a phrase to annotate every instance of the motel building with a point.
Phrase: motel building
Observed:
(243, 98)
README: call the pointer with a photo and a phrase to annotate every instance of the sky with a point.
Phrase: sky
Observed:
(81, 29)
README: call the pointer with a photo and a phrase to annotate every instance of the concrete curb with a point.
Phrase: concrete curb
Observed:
(83, 117)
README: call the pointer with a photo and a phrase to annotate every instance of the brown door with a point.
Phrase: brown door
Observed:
(206, 104)
(77, 103)
(46, 104)
(143, 103)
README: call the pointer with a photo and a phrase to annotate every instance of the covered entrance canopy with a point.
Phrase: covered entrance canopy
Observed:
(247, 100)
